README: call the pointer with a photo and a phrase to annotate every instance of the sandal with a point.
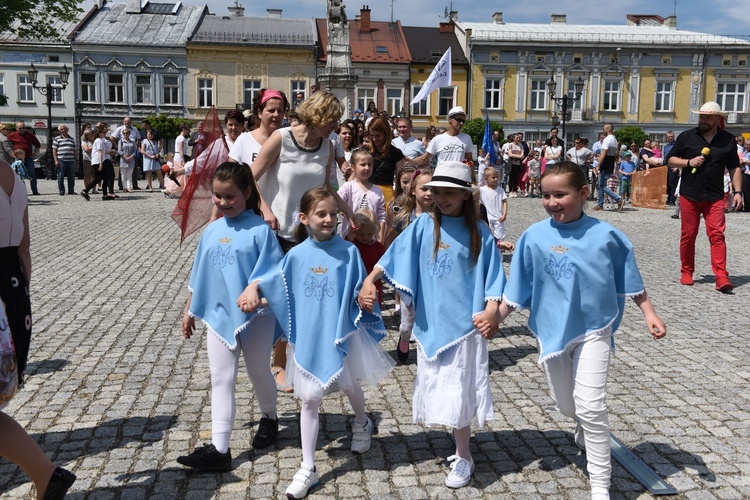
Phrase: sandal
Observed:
(280, 386)
(403, 356)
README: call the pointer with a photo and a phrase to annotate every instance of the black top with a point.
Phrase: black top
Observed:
(707, 183)
(384, 169)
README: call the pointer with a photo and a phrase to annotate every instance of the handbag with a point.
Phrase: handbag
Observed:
(8, 365)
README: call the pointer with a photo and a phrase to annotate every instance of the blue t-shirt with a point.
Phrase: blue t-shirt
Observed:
(627, 166)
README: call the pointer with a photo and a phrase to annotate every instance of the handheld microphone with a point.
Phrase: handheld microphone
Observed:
(704, 152)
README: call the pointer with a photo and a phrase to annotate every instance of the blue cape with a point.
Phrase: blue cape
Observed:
(232, 253)
(574, 277)
(447, 291)
(314, 298)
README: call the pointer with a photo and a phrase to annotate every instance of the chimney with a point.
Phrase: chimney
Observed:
(559, 19)
(454, 16)
(364, 19)
(497, 18)
(238, 10)
(447, 28)
(671, 22)
(275, 13)
(133, 7)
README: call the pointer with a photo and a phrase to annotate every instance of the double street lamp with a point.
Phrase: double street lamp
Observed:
(49, 91)
(565, 101)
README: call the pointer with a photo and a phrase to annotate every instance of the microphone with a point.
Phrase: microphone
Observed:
(704, 152)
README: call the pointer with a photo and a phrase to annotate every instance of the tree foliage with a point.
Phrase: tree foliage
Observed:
(167, 126)
(475, 129)
(35, 19)
(629, 134)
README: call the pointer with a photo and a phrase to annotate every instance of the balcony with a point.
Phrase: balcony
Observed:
(582, 115)
(735, 117)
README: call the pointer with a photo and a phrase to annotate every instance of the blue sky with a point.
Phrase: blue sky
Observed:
(724, 18)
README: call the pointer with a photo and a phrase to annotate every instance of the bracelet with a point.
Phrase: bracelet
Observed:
(688, 163)
(738, 193)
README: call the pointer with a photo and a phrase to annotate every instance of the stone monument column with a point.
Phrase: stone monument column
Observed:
(338, 76)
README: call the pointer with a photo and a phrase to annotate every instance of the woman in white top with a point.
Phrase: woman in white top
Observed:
(553, 152)
(269, 108)
(87, 143)
(580, 155)
(15, 277)
(101, 164)
(180, 146)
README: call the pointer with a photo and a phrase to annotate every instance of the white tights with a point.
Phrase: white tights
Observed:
(255, 342)
(309, 422)
(578, 381)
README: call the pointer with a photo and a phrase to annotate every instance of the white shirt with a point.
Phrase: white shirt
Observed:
(180, 148)
(134, 133)
(450, 148)
(492, 199)
(12, 209)
(245, 149)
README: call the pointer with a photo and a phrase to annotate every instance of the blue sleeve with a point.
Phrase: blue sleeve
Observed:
(518, 288)
(494, 274)
(628, 280)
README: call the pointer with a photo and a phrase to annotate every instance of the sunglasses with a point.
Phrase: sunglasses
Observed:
(460, 120)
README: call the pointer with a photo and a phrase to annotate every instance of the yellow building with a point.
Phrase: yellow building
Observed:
(231, 58)
(644, 73)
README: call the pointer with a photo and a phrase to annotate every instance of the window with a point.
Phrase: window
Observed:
(364, 96)
(88, 87)
(611, 101)
(249, 89)
(381, 49)
(57, 91)
(731, 96)
(446, 97)
(493, 93)
(538, 97)
(143, 89)
(393, 101)
(205, 92)
(116, 88)
(664, 96)
(171, 85)
(422, 107)
(298, 87)
(571, 85)
(2, 84)
(25, 90)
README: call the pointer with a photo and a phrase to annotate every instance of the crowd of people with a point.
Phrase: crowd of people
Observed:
(309, 219)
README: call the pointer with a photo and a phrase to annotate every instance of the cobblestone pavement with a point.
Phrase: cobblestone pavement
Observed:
(116, 394)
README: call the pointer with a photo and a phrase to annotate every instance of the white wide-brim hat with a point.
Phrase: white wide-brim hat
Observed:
(457, 110)
(711, 108)
(452, 174)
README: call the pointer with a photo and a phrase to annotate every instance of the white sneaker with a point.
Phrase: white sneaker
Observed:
(599, 494)
(461, 471)
(578, 437)
(361, 436)
(303, 480)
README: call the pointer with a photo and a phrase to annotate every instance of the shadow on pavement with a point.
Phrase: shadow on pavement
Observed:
(46, 366)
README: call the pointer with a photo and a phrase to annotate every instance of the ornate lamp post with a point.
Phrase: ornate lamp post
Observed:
(565, 101)
(49, 91)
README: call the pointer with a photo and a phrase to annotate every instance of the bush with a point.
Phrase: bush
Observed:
(630, 133)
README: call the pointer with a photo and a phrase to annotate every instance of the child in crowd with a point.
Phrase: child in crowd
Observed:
(365, 239)
(573, 272)
(233, 252)
(627, 169)
(483, 164)
(320, 278)
(361, 193)
(495, 201)
(535, 172)
(447, 266)
(400, 194)
(174, 178)
(418, 201)
(18, 165)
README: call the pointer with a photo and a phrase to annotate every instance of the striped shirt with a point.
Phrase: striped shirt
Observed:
(65, 147)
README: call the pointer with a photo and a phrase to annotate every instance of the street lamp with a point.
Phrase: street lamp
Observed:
(565, 100)
(49, 91)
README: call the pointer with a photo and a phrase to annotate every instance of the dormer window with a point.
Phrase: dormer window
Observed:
(381, 49)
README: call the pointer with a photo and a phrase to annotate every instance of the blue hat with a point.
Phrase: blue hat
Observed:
(357, 110)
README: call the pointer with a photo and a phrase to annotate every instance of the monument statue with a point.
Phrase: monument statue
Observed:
(336, 12)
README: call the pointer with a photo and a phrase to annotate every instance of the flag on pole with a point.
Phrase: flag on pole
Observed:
(440, 77)
(487, 144)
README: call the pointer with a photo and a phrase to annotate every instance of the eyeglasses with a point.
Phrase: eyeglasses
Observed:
(459, 120)
(576, 142)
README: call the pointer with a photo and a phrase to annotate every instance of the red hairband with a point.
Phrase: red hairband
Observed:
(270, 94)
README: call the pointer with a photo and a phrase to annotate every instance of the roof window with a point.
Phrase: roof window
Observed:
(381, 49)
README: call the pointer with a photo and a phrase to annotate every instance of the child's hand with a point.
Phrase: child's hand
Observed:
(368, 294)
(486, 322)
(656, 326)
(484, 327)
(505, 245)
(502, 218)
(188, 325)
(249, 301)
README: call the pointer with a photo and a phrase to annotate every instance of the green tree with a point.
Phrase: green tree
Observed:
(167, 126)
(631, 133)
(475, 129)
(35, 19)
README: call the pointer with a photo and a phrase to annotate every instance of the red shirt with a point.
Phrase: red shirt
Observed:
(370, 256)
(24, 141)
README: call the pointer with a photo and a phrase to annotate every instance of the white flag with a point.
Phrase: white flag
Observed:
(440, 77)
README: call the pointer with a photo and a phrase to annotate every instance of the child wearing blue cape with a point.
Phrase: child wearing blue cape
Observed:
(574, 272)
(446, 266)
(233, 251)
(333, 344)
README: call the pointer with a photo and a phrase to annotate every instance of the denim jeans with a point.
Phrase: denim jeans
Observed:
(601, 185)
(66, 170)
(31, 172)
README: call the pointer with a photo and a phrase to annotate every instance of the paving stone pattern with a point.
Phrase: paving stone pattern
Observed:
(115, 393)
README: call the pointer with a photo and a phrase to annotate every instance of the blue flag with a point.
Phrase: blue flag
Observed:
(487, 144)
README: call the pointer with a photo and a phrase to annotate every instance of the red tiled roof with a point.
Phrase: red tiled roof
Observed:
(389, 37)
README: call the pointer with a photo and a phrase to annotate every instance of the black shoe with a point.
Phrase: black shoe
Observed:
(62, 193)
(86, 195)
(265, 436)
(675, 216)
(59, 484)
(403, 357)
(136, 188)
(207, 457)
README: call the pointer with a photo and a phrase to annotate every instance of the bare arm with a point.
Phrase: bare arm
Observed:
(656, 326)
